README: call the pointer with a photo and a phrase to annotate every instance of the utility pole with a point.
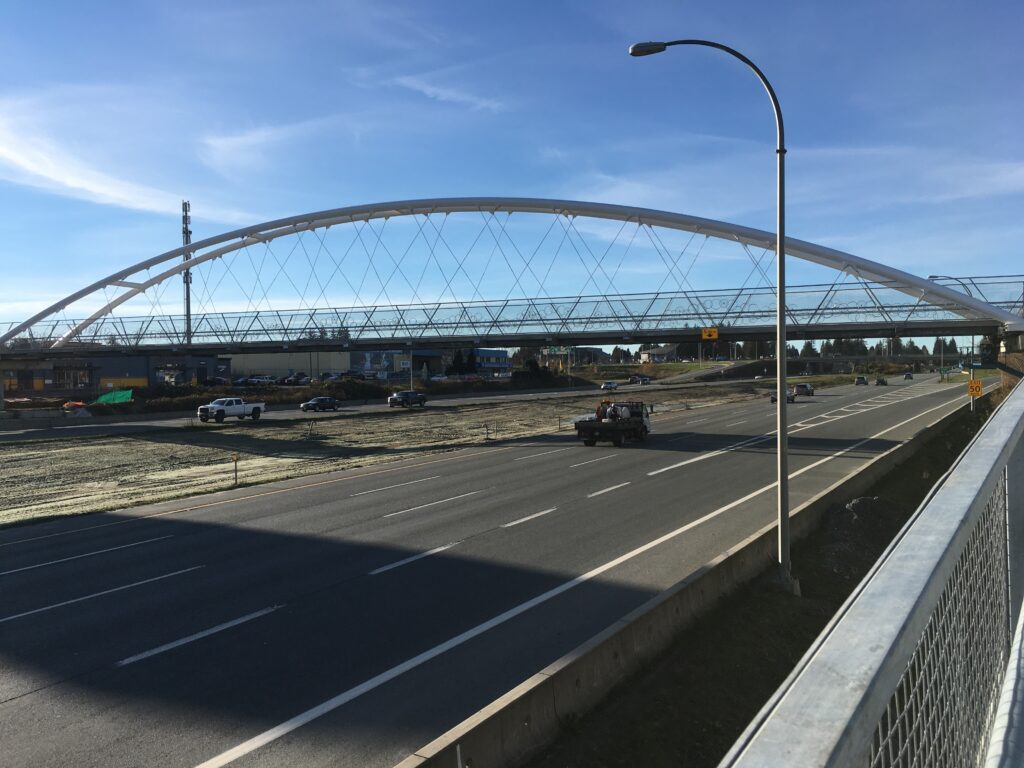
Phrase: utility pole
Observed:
(186, 276)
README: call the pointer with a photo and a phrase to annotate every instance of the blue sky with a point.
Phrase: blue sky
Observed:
(903, 121)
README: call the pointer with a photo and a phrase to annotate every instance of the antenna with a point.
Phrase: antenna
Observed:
(186, 276)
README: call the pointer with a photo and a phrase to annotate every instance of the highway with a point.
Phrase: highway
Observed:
(348, 619)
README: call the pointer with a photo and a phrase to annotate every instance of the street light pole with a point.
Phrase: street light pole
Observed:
(785, 571)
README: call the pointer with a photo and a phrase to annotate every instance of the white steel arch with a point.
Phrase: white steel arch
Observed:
(211, 248)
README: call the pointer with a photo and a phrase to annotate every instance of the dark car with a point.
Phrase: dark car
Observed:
(880, 382)
(861, 380)
(790, 396)
(908, 375)
(406, 398)
(320, 404)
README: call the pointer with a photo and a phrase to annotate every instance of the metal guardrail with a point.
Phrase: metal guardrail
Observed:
(911, 670)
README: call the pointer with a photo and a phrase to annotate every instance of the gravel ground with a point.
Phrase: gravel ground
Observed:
(76, 475)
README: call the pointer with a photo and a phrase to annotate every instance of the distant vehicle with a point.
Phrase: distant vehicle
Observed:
(805, 373)
(610, 385)
(439, 377)
(907, 376)
(881, 382)
(804, 388)
(861, 380)
(261, 380)
(295, 378)
(320, 404)
(616, 423)
(223, 407)
(406, 398)
(241, 381)
(217, 381)
(643, 380)
(790, 396)
(758, 377)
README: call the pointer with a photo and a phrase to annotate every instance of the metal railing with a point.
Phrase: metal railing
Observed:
(911, 669)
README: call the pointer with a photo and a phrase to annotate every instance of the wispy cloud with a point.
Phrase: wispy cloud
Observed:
(240, 152)
(449, 95)
(37, 151)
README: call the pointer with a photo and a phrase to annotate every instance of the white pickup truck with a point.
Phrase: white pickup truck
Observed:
(223, 407)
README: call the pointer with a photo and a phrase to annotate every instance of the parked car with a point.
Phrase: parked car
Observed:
(861, 380)
(611, 385)
(790, 396)
(907, 376)
(241, 381)
(880, 382)
(295, 378)
(804, 388)
(261, 380)
(320, 404)
(439, 377)
(643, 380)
(407, 397)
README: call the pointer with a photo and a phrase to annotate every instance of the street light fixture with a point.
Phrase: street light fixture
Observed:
(781, 349)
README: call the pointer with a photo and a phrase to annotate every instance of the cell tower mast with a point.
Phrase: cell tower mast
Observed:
(186, 276)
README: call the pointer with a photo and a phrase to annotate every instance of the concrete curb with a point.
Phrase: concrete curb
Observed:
(520, 723)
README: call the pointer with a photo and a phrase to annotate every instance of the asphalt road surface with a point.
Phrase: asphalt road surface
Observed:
(348, 619)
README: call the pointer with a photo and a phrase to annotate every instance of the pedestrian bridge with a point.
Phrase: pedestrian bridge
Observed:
(497, 271)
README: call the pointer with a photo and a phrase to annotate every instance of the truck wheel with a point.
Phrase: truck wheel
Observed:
(241, 416)
(590, 442)
(255, 414)
(204, 419)
(643, 433)
(219, 418)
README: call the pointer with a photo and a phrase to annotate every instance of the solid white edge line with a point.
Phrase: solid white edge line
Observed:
(87, 554)
(396, 485)
(606, 490)
(768, 435)
(430, 504)
(384, 677)
(99, 594)
(528, 517)
(197, 636)
(744, 421)
(414, 558)
(535, 455)
(591, 461)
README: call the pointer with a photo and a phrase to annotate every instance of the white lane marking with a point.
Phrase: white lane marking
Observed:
(430, 504)
(87, 554)
(736, 422)
(396, 485)
(355, 692)
(591, 461)
(528, 517)
(390, 674)
(273, 492)
(99, 594)
(794, 428)
(413, 559)
(196, 636)
(605, 490)
(535, 455)
(697, 421)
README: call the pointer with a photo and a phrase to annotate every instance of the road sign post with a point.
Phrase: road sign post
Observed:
(974, 389)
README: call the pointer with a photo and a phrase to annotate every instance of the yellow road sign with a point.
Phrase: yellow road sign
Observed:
(709, 334)
(974, 387)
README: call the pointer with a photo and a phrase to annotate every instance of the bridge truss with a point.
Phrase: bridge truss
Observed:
(500, 272)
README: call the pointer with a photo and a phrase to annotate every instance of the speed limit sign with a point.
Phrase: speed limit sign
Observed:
(974, 388)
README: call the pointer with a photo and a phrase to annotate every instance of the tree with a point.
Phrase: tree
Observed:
(808, 349)
(471, 362)
(458, 363)
(792, 351)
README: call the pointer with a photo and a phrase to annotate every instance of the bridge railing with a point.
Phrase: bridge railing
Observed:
(909, 672)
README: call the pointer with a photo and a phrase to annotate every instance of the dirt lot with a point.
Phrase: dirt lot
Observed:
(66, 476)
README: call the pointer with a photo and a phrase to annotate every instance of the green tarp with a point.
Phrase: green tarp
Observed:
(120, 396)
